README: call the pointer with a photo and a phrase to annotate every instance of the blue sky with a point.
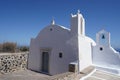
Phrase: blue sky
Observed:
(20, 20)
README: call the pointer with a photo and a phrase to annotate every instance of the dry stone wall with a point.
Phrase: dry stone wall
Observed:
(11, 62)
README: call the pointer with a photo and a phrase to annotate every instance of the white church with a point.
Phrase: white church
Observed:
(103, 55)
(55, 47)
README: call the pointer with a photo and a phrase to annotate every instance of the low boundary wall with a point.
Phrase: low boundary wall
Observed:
(10, 62)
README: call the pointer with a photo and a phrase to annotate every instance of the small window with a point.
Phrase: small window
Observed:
(101, 48)
(51, 29)
(60, 55)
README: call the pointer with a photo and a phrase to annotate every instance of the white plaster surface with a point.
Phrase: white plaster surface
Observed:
(55, 38)
(107, 57)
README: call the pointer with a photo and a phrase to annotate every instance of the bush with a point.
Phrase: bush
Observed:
(12, 47)
(0, 47)
(9, 47)
(24, 48)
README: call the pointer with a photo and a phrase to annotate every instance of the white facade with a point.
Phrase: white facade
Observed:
(103, 54)
(56, 47)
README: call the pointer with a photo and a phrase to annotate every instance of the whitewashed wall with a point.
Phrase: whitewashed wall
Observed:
(85, 52)
(103, 54)
(58, 41)
(107, 57)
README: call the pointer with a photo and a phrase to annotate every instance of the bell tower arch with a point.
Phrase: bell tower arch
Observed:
(103, 38)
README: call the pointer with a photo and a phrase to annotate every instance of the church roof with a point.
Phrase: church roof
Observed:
(102, 31)
(64, 27)
(56, 25)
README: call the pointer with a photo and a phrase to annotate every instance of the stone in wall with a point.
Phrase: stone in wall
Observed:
(10, 62)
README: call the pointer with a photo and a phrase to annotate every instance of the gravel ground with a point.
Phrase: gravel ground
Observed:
(31, 75)
(24, 75)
